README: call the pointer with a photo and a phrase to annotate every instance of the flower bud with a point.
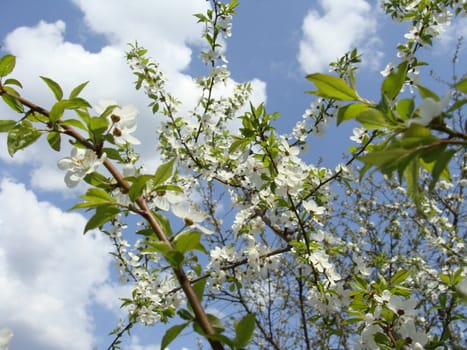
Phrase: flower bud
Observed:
(115, 118)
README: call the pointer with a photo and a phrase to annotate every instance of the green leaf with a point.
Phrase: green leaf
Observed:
(53, 138)
(185, 315)
(76, 103)
(441, 167)
(384, 158)
(333, 87)
(58, 108)
(216, 323)
(461, 85)
(73, 122)
(399, 277)
(199, 290)
(174, 258)
(159, 247)
(112, 153)
(7, 125)
(457, 105)
(411, 172)
(165, 223)
(405, 108)
(7, 64)
(12, 81)
(393, 83)
(372, 119)
(56, 112)
(99, 180)
(12, 102)
(108, 111)
(77, 90)
(21, 136)
(95, 197)
(198, 287)
(97, 127)
(103, 215)
(425, 92)
(138, 186)
(188, 240)
(172, 333)
(163, 172)
(56, 89)
(351, 112)
(383, 341)
(244, 330)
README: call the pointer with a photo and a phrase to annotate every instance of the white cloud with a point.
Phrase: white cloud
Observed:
(342, 26)
(167, 29)
(48, 272)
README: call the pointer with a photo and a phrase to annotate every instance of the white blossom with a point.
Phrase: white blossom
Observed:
(79, 164)
(429, 109)
(122, 121)
(358, 134)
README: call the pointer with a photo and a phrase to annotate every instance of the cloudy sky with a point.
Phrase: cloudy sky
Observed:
(57, 289)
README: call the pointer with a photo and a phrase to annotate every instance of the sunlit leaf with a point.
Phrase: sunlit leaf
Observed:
(163, 172)
(351, 112)
(333, 87)
(53, 138)
(56, 89)
(77, 90)
(461, 85)
(393, 83)
(7, 64)
(172, 333)
(21, 136)
(103, 215)
(7, 125)
(244, 330)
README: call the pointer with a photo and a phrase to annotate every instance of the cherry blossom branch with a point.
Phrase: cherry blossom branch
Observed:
(145, 212)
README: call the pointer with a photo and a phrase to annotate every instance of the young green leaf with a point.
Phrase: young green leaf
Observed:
(461, 85)
(7, 64)
(165, 223)
(7, 125)
(103, 215)
(163, 172)
(425, 92)
(351, 111)
(244, 330)
(21, 136)
(56, 89)
(172, 333)
(12, 102)
(12, 81)
(393, 83)
(330, 86)
(138, 186)
(53, 138)
(189, 240)
(372, 119)
(77, 90)
(399, 277)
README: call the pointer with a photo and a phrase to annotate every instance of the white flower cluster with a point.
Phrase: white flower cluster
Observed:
(153, 298)
(224, 259)
(404, 326)
(154, 295)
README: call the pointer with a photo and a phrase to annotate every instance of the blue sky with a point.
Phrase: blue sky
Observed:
(57, 287)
